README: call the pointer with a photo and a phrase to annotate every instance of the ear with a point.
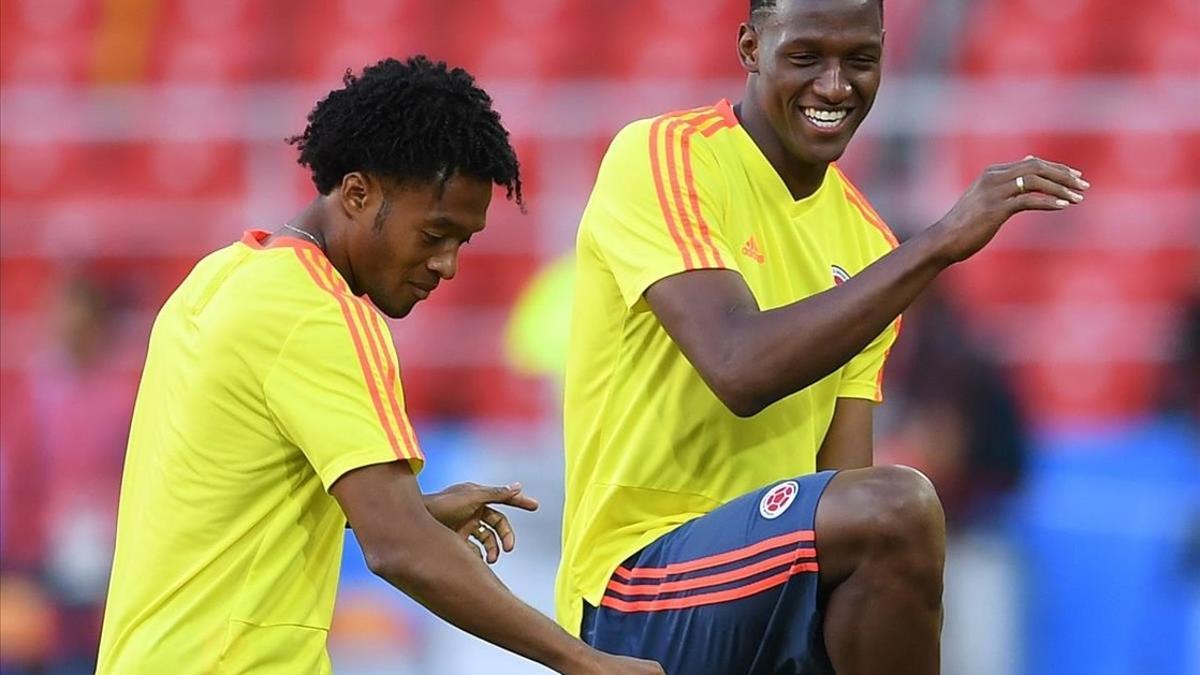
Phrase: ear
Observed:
(355, 194)
(748, 47)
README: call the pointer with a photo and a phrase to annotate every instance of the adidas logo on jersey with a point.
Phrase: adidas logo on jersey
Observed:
(751, 250)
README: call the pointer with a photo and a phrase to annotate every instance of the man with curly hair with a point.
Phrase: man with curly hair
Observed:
(270, 412)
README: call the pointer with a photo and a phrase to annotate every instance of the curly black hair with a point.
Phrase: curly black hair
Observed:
(759, 8)
(408, 120)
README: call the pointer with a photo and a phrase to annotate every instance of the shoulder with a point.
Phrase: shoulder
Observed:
(320, 289)
(292, 286)
(323, 316)
(649, 140)
(862, 211)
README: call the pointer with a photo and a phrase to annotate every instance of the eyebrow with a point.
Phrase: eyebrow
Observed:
(447, 223)
(815, 40)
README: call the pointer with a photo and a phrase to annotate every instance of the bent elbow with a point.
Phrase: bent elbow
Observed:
(737, 394)
(380, 565)
(389, 564)
(743, 407)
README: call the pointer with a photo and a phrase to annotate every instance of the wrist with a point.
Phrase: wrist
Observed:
(574, 658)
(937, 245)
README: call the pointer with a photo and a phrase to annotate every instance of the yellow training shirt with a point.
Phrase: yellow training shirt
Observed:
(648, 445)
(265, 381)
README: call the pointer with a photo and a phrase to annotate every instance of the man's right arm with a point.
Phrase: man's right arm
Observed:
(751, 358)
(406, 546)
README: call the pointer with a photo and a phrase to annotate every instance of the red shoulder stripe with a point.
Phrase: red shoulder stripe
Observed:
(378, 336)
(690, 182)
(311, 261)
(677, 139)
(860, 202)
(656, 131)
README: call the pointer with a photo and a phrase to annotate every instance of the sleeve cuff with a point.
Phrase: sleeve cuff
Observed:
(349, 462)
(633, 290)
(861, 389)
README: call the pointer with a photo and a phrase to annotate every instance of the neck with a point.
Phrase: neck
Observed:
(801, 178)
(321, 220)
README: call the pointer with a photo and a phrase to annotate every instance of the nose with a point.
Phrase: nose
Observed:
(832, 84)
(445, 264)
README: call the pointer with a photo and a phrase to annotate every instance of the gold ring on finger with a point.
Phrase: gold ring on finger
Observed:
(1021, 184)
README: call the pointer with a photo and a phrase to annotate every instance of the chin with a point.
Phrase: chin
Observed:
(814, 150)
(397, 312)
(394, 310)
(823, 153)
(830, 155)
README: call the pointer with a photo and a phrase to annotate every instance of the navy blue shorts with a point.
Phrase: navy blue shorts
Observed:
(731, 592)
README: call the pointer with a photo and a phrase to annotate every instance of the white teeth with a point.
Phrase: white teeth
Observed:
(826, 119)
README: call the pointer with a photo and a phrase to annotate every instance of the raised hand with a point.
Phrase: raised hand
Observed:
(1003, 190)
(466, 509)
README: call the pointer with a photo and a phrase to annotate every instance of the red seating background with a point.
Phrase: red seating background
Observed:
(191, 153)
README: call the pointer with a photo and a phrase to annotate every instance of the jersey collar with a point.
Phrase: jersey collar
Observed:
(767, 176)
(255, 238)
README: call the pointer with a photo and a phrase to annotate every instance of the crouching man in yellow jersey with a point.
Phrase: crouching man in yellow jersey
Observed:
(736, 297)
(271, 412)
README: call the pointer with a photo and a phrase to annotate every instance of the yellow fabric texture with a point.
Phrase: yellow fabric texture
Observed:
(265, 381)
(648, 445)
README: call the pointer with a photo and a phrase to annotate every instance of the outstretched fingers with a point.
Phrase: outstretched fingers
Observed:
(1040, 185)
(515, 496)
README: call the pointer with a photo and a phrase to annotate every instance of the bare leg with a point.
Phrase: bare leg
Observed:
(881, 537)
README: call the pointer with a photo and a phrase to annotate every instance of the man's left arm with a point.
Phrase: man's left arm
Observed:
(849, 442)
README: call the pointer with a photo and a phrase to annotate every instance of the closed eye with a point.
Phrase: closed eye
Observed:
(431, 238)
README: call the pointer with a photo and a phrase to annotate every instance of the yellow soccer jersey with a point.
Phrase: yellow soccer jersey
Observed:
(265, 381)
(648, 445)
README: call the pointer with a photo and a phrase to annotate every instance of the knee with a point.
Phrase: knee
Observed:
(901, 521)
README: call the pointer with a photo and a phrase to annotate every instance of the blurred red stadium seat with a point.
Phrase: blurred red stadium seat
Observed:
(323, 40)
(701, 40)
(209, 41)
(1078, 304)
(523, 39)
(185, 156)
(26, 284)
(46, 41)
(36, 170)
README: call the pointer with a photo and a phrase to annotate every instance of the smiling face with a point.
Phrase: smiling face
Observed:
(814, 70)
(411, 240)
